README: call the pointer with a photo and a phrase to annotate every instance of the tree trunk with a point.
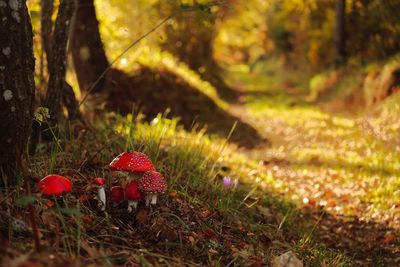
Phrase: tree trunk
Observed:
(17, 86)
(340, 35)
(57, 64)
(193, 43)
(46, 26)
(87, 49)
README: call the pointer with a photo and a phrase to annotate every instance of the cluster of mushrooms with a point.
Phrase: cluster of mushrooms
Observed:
(142, 181)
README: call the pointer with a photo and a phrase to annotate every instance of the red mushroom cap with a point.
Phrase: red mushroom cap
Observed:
(99, 181)
(131, 162)
(152, 182)
(54, 185)
(117, 194)
(132, 192)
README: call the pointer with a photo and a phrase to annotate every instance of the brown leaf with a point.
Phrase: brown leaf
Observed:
(92, 251)
(288, 259)
(142, 216)
(50, 220)
(209, 233)
(84, 198)
(191, 240)
(87, 219)
(205, 213)
(212, 251)
(389, 238)
(331, 203)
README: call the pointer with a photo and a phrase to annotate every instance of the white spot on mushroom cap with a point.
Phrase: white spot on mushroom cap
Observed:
(152, 182)
(12, 109)
(6, 51)
(7, 94)
(135, 162)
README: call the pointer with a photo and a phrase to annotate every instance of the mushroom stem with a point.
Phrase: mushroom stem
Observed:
(102, 198)
(148, 198)
(153, 199)
(131, 204)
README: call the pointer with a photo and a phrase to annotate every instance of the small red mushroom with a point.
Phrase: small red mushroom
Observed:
(152, 183)
(54, 185)
(133, 195)
(99, 181)
(117, 194)
(132, 162)
(101, 193)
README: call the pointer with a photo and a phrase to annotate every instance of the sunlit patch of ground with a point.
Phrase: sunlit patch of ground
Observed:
(346, 165)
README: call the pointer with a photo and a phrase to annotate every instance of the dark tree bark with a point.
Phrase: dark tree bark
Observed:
(193, 42)
(57, 74)
(46, 26)
(340, 35)
(68, 95)
(58, 62)
(87, 49)
(69, 101)
(17, 86)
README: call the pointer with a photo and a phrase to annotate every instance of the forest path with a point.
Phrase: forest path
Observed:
(342, 167)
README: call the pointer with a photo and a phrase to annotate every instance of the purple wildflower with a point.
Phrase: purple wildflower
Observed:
(235, 183)
(227, 182)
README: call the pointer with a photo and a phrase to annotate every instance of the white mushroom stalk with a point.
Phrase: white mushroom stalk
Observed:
(132, 205)
(153, 198)
(133, 195)
(101, 194)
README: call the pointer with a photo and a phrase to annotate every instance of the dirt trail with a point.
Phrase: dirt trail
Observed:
(335, 167)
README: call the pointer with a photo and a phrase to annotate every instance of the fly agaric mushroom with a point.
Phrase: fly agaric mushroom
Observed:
(117, 194)
(152, 183)
(133, 195)
(132, 162)
(101, 193)
(54, 185)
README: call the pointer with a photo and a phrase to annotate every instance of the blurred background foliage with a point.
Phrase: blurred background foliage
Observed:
(203, 39)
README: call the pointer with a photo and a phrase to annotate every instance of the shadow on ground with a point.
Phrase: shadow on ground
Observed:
(366, 242)
(155, 92)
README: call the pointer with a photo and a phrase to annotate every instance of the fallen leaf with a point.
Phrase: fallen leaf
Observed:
(191, 240)
(331, 203)
(84, 198)
(205, 213)
(212, 251)
(92, 251)
(209, 233)
(288, 259)
(389, 238)
(142, 215)
(87, 219)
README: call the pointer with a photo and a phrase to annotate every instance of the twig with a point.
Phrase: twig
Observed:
(31, 207)
(120, 55)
